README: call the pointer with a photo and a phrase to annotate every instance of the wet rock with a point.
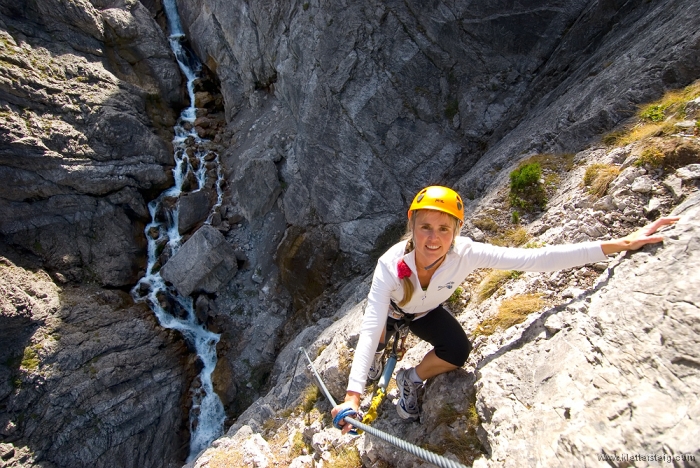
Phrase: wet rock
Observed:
(204, 263)
(194, 209)
(201, 308)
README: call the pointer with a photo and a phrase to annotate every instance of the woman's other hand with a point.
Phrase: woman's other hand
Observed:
(352, 401)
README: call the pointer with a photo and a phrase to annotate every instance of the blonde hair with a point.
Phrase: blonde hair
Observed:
(406, 283)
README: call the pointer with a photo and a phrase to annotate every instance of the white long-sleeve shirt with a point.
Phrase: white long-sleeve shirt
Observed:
(465, 257)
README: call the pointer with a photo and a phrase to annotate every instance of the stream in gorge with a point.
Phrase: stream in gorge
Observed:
(192, 162)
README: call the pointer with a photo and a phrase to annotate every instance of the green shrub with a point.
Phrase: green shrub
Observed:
(524, 177)
(526, 192)
(456, 295)
(653, 113)
(30, 359)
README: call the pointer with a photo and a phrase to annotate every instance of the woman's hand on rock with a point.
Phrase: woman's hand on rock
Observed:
(639, 238)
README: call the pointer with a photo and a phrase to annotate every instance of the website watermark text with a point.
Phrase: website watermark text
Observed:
(646, 457)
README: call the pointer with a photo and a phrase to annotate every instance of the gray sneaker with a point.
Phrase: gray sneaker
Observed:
(375, 370)
(407, 407)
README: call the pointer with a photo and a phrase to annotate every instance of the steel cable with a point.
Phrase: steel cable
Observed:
(419, 452)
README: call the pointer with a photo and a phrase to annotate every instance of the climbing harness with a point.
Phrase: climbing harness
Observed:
(398, 349)
(346, 415)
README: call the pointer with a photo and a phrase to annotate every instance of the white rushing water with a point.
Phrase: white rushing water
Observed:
(172, 310)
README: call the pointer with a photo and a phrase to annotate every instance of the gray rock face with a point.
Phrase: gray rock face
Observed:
(574, 98)
(616, 374)
(386, 97)
(606, 367)
(256, 187)
(88, 377)
(204, 263)
(86, 96)
(360, 104)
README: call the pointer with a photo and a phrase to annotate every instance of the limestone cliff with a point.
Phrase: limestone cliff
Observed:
(357, 105)
(361, 104)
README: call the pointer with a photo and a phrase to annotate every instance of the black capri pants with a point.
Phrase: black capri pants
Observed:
(443, 331)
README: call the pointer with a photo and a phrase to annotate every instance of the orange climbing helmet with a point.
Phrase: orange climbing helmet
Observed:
(438, 198)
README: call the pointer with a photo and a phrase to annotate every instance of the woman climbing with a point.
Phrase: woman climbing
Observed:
(414, 277)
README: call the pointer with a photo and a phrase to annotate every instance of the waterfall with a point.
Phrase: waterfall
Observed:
(172, 310)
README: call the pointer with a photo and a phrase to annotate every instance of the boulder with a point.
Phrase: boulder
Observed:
(692, 109)
(643, 184)
(689, 172)
(674, 185)
(194, 208)
(205, 263)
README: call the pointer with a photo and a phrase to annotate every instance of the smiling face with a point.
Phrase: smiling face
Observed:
(433, 233)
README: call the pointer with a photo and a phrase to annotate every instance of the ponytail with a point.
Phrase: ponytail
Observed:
(407, 284)
(407, 291)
